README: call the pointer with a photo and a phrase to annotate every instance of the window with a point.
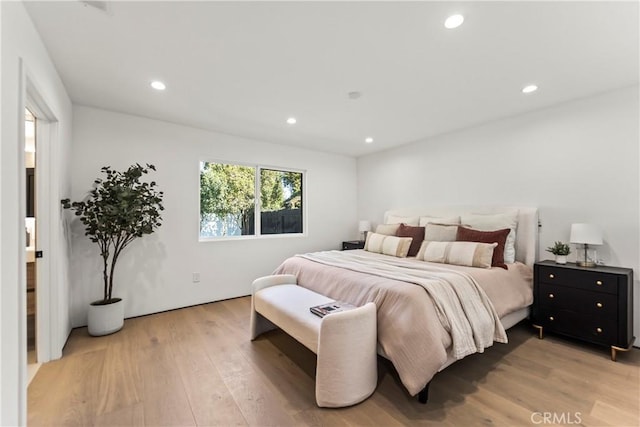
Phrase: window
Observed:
(228, 202)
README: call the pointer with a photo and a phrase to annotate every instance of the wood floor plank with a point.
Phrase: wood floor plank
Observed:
(274, 365)
(501, 410)
(391, 397)
(120, 382)
(198, 366)
(233, 363)
(81, 342)
(78, 389)
(165, 400)
(238, 307)
(149, 331)
(221, 341)
(211, 402)
(613, 415)
(316, 417)
(42, 409)
(132, 415)
(257, 401)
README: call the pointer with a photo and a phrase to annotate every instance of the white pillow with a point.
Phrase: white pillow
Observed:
(387, 245)
(424, 220)
(493, 222)
(409, 220)
(387, 229)
(470, 254)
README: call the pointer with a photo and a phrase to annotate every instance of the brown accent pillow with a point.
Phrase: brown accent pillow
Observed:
(498, 236)
(416, 233)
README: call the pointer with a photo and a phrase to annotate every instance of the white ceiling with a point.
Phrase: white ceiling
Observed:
(243, 68)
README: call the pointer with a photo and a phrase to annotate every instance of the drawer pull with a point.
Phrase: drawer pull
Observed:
(598, 282)
(551, 276)
(599, 330)
(599, 305)
(550, 317)
(550, 295)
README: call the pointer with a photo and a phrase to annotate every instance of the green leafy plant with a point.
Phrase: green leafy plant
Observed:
(559, 248)
(119, 209)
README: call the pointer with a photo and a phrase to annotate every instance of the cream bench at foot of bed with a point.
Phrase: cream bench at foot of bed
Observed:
(345, 342)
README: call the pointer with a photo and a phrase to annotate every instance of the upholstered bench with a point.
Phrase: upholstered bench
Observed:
(345, 342)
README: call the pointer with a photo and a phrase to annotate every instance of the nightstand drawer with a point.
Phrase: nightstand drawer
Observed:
(601, 331)
(585, 302)
(352, 244)
(587, 280)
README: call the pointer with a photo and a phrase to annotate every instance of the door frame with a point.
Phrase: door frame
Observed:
(47, 327)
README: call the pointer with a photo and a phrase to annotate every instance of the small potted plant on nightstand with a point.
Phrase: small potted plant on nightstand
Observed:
(560, 250)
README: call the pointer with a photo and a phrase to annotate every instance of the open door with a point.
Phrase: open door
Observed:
(31, 242)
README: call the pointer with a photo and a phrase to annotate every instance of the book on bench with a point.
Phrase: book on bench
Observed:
(331, 307)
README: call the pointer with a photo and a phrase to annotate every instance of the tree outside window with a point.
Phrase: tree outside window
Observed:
(228, 204)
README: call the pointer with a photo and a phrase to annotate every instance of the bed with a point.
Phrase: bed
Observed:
(412, 332)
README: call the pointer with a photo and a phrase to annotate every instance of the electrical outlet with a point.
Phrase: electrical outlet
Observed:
(196, 278)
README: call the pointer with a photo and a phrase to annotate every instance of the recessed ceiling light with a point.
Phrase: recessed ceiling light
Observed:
(529, 89)
(368, 140)
(158, 85)
(454, 21)
(291, 120)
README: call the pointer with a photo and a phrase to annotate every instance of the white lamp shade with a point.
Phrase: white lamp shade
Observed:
(364, 225)
(586, 233)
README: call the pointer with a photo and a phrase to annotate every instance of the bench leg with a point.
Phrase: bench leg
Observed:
(347, 369)
(259, 323)
(423, 395)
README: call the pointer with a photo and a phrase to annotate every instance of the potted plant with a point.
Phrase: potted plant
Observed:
(560, 250)
(119, 209)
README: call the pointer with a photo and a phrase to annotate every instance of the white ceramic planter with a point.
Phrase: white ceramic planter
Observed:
(105, 319)
(561, 259)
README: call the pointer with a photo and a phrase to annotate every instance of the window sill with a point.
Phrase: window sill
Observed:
(252, 237)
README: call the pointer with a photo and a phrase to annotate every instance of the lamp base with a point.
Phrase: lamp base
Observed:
(586, 256)
(586, 263)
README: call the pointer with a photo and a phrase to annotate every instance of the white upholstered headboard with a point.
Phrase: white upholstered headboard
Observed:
(526, 232)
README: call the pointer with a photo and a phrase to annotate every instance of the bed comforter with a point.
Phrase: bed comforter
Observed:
(411, 330)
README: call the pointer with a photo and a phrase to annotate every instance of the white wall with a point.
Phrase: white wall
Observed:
(577, 162)
(21, 44)
(155, 272)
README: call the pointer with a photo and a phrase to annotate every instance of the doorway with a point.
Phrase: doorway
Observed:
(31, 242)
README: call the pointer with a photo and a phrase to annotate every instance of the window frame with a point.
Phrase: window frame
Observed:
(257, 203)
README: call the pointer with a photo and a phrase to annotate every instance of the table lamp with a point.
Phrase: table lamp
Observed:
(585, 235)
(364, 226)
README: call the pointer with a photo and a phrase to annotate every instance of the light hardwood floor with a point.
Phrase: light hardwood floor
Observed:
(196, 366)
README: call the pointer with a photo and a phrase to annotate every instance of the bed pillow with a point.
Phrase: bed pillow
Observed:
(387, 245)
(499, 237)
(409, 220)
(416, 234)
(387, 229)
(424, 220)
(440, 232)
(470, 254)
(493, 222)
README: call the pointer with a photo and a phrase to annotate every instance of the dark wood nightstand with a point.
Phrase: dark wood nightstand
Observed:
(352, 244)
(591, 304)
